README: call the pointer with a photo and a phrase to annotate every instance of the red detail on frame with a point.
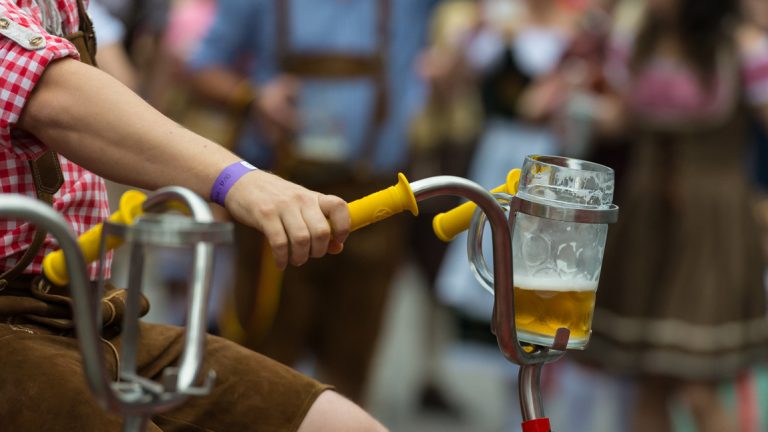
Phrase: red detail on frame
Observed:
(538, 425)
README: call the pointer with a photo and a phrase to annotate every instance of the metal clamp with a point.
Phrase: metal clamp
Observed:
(136, 397)
(540, 208)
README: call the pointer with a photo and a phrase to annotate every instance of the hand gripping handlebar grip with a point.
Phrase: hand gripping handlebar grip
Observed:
(383, 204)
(363, 212)
(54, 265)
(449, 224)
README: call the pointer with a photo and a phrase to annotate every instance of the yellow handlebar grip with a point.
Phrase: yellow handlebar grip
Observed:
(383, 204)
(449, 224)
(54, 264)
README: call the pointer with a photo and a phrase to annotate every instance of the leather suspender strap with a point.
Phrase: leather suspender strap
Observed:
(85, 38)
(340, 66)
(330, 66)
(48, 178)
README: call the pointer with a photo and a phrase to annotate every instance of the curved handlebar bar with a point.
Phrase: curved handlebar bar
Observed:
(504, 301)
(449, 224)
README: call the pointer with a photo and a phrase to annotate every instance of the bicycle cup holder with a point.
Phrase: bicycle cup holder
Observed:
(132, 396)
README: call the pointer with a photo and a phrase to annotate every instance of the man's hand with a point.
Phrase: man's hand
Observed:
(297, 222)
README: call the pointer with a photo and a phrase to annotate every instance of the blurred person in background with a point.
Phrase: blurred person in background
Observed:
(443, 137)
(756, 11)
(138, 26)
(520, 43)
(515, 44)
(112, 56)
(510, 46)
(681, 305)
(327, 89)
(167, 87)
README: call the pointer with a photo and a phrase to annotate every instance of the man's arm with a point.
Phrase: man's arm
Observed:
(98, 123)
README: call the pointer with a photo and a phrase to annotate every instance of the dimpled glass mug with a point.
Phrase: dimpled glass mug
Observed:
(556, 263)
(560, 216)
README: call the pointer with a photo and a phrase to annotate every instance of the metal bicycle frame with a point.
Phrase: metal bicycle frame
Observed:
(135, 397)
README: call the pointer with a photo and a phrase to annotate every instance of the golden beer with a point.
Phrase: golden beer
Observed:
(544, 305)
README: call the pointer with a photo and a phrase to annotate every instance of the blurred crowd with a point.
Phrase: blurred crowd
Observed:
(340, 95)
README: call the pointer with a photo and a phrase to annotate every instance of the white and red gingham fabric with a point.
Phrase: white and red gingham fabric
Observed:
(83, 198)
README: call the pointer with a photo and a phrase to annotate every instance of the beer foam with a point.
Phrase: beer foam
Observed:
(553, 284)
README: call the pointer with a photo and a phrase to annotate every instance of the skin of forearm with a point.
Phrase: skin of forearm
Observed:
(98, 123)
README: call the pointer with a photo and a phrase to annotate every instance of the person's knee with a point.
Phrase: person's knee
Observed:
(332, 412)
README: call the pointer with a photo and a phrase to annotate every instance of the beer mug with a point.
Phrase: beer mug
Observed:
(560, 218)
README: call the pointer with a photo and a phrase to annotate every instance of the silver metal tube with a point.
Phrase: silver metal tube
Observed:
(130, 330)
(529, 391)
(191, 359)
(504, 301)
(160, 200)
(194, 344)
(475, 243)
(84, 301)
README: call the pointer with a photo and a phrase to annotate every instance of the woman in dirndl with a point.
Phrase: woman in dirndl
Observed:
(682, 304)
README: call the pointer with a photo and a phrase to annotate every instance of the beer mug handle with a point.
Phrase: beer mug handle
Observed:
(477, 261)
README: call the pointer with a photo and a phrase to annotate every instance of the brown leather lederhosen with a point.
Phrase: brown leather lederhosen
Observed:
(30, 295)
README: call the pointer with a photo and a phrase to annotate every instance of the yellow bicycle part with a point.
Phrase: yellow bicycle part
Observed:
(449, 224)
(383, 204)
(54, 264)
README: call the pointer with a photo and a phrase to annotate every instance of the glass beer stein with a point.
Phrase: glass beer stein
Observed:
(557, 246)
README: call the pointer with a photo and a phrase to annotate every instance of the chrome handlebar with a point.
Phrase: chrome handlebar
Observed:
(133, 396)
(503, 323)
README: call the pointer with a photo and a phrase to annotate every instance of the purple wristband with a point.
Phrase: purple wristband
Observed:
(228, 177)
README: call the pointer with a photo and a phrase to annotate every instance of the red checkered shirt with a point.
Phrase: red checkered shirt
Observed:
(82, 199)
